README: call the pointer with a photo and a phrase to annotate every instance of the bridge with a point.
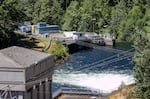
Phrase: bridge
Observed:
(90, 40)
(86, 43)
(100, 39)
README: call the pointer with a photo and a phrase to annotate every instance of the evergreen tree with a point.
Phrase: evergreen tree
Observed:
(146, 21)
(132, 20)
(142, 66)
(86, 13)
(118, 14)
(42, 11)
(49, 11)
(71, 17)
(10, 14)
(56, 13)
(65, 3)
(28, 6)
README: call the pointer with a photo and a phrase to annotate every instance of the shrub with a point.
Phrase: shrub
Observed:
(58, 49)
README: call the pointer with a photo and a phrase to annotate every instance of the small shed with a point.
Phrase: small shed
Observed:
(25, 73)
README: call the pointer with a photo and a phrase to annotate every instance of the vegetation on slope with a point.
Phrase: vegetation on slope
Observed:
(121, 18)
(142, 65)
(125, 92)
(59, 50)
(118, 17)
(141, 70)
(40, 44)
(124, 45)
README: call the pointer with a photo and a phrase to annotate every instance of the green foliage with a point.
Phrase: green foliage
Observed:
(42, 10)
(58, 49)
(142, 66)
(118, 17)
(56, 13)
(49, 11)
(71, 17)
(132, 20)
(123, 44)
(10, 16)
(4, 38)
(83, 15)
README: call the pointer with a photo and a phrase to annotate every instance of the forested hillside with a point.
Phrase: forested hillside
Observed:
(127, 20)
(118, 17)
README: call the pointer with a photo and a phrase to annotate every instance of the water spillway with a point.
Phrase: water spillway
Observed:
(89, 69)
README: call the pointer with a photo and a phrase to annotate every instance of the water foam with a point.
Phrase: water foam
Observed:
(99, 81)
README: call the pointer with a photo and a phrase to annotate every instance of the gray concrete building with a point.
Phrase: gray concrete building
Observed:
(25, 74)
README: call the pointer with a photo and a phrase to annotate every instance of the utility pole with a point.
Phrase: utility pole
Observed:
(93, 23)
(93, 16)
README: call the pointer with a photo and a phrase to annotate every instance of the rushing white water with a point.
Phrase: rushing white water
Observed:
(104, 78)
(104, 82)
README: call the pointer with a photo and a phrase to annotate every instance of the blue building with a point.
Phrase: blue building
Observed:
(43, 28)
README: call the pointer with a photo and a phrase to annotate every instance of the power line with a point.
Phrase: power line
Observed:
(88, 69)
(103, 62)
(107, 62)
(108, 58)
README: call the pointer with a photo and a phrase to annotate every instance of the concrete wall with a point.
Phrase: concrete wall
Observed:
(40, 70)
(40, 91)
(15, 78)
(34, 81)
(38, 87)
(13, 82)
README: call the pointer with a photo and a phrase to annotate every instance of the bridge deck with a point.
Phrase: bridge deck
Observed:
(95, 46)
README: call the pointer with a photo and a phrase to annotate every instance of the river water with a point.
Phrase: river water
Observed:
(103, 76)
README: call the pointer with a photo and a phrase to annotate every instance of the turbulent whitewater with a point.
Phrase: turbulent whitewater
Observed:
(102, 76)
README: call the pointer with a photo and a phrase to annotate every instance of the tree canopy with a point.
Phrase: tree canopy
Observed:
(10, 15)
(142, 65)
(118, 17)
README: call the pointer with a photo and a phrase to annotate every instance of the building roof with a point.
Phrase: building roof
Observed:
(74, 91)
(18, 57)
(7, 62)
